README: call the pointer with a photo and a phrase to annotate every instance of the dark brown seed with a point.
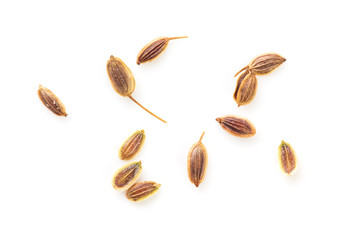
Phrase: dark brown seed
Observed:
(127, 175)
(197, 161)
(237, 126)
(287, 158)
(153, 49)
(246, 88)
(51, 101)
(123, 81)
(132, 145)
(142, 190)
(266, 63)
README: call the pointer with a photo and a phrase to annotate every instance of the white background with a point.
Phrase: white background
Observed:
(55, 172)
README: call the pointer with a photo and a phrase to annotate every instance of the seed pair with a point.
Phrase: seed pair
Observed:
(246, 87)
(121, 76)
(126, 176)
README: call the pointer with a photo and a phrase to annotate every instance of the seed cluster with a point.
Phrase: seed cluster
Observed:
(123, 82)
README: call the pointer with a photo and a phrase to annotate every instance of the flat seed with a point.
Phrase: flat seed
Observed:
(132, 145)
(153, 49)
(197, 161)
(127, 175)
(246, 88)
(287, 158)
(142, 190)
(123, 80)
(237, 126)
(51, 101)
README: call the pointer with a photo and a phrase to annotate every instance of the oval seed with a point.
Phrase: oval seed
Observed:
(246, 88)
(132, 145)
(123, 80)
(287, 158)
(51, 101)
(197, 161)
(127, 175)
(237, 126)
(153, 49)
(264, 64)
(142, 190)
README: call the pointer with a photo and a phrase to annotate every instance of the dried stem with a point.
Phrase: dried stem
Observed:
(146, 109)
(172, 38)
(200, 139)
(241, 70)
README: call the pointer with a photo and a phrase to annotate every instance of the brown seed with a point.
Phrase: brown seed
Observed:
(264, 64)
(123, 81)
(153, 49)
(142, 190)
(197, 161)
(51, 101)
(127, 175)
(246, 88)
(287, 158)
(237, 126)
(132, 145)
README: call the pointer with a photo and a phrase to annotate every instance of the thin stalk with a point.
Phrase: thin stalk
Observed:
(172, 38)
(200, 139)
(146, 109)
(241, 70)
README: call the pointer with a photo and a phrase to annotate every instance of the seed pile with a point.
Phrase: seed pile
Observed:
(123, 82)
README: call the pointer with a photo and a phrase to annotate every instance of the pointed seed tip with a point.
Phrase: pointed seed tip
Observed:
(218, 120)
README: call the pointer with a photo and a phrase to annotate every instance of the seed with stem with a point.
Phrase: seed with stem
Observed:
(123, 80)
(197, 161)
(153, 49)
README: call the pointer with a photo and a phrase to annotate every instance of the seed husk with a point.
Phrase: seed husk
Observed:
(126, 175)
(246, 88)
(197, 161)
(237, 126)
(153, 49)
(264, 64)
(132, 145)
(51, 101)
(142, 190)
(287, 158)
(123, 80)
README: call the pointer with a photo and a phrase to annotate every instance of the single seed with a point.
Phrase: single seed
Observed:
(197, 161)
(123, 81)
(127, 175)
(264, 64)
(132, 145)
(142, 190)
(153, 49)
(237, 126)
(287, 158)
(51, 101)
(246, 88)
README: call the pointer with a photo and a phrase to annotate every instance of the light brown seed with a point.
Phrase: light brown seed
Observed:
(237, 126)
(153, 49)
(51, 101)
(132, 145)
(287, 158)
(197, 161)
(127, 175)
(123, 80)
(246, 88)
(142, 190)
(264, 64)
